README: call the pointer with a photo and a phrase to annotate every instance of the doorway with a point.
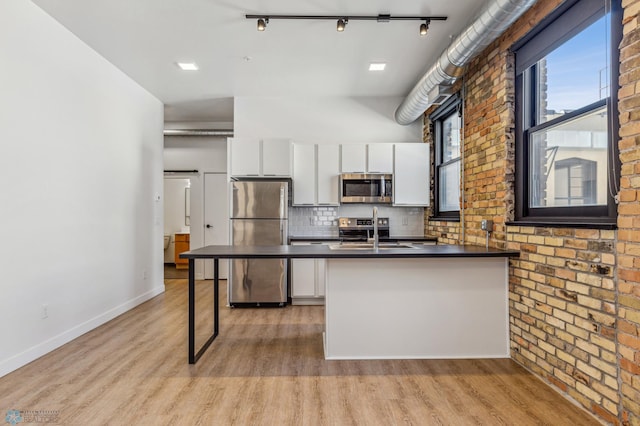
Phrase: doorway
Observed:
(177, 222)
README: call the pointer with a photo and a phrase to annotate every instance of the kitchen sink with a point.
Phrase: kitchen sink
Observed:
(369, 246)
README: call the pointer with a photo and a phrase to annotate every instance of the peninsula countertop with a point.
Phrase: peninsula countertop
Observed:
(317, 251)
(428, 265)
(391, 239)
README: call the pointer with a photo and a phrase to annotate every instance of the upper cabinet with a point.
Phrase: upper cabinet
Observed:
(316, 171)
(244, 155)
(380, 158)
(276, 157)
(354, 158)
(328, 175)
(304, 174)
(411, 174)
(371, 158)
(259, 157)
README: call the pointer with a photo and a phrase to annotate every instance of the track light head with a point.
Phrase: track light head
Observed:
(342, 22)
(424, 28)
(262, 23)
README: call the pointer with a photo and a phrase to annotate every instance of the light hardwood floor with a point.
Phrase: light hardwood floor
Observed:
(265, 368)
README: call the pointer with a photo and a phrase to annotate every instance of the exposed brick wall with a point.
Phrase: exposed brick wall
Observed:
(488, 146)
(574, 293)
(562, 306)
(447, 232)
(628, 247)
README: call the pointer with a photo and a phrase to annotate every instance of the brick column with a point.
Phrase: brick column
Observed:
(629, 216)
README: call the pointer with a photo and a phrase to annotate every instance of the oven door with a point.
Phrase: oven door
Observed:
(353, 235)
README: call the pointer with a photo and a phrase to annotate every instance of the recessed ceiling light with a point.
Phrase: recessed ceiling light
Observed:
(188, 66)
(377, 66)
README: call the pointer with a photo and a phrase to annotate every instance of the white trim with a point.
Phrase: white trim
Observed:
(13, 363)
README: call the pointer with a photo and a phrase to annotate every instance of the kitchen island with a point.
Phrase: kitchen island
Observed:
(441, 301)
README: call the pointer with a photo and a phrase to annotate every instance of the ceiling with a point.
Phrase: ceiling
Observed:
(145, 39)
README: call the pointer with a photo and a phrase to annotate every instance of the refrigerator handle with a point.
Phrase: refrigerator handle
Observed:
(282, 233)
(283, 201)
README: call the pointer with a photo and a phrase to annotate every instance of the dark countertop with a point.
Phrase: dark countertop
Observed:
(317, 251)
(385, 239)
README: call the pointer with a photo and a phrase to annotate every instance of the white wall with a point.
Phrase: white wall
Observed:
(323, 119)
(80, 183)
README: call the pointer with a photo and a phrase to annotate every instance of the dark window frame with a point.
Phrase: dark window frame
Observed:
(568, 20)
(451, 106)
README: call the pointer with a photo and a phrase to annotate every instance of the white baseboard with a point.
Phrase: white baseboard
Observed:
(16, 361)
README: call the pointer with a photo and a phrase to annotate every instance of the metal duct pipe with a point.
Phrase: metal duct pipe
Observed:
(198, 132)
(497, 17)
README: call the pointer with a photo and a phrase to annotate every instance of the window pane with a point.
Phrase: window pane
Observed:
(451, 137)
(568, 162)
(574, 75)
(449, 190)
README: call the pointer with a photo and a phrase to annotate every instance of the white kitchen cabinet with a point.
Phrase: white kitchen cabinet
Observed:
(354, 158)
(259, 158)
(276, 157)
(380, 158)
(304, 175)
(316, 172)
(308, 279)
(245, 156)
(371, 158)
(411, 174)
(328, 175)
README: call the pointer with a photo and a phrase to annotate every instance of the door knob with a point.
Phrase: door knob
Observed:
(209, 226)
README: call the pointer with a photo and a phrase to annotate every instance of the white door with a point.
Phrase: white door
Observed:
(216, 218)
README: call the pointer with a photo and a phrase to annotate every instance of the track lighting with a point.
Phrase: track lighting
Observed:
(343, 20)
(341, 24)
(424, 28)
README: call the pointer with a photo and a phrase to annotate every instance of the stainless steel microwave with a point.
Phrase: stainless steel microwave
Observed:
(366, 188)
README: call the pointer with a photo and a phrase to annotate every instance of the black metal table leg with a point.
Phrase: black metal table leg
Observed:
(192, 312)
(193, 356)
(216, 296)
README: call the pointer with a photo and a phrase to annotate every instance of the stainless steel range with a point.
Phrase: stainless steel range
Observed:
(361, 228)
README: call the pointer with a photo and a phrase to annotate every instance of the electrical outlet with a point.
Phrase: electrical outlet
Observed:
(144, 274)
(486, 225)
(405, 221)
(45, 311)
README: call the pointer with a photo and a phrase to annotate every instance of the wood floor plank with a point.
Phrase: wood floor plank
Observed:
(266, 368)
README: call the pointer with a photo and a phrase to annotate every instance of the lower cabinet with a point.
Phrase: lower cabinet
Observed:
(307, 280)
(182, 245)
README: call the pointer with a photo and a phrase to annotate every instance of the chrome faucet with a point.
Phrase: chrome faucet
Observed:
(376, 237)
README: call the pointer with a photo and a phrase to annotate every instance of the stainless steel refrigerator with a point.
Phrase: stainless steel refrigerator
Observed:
(259, 212)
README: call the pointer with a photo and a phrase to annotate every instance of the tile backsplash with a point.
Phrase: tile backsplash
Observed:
(323, 221)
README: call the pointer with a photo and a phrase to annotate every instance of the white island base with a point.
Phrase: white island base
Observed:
(416, 308)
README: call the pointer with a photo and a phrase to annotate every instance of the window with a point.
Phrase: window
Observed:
(447, 126)
(566, 121)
